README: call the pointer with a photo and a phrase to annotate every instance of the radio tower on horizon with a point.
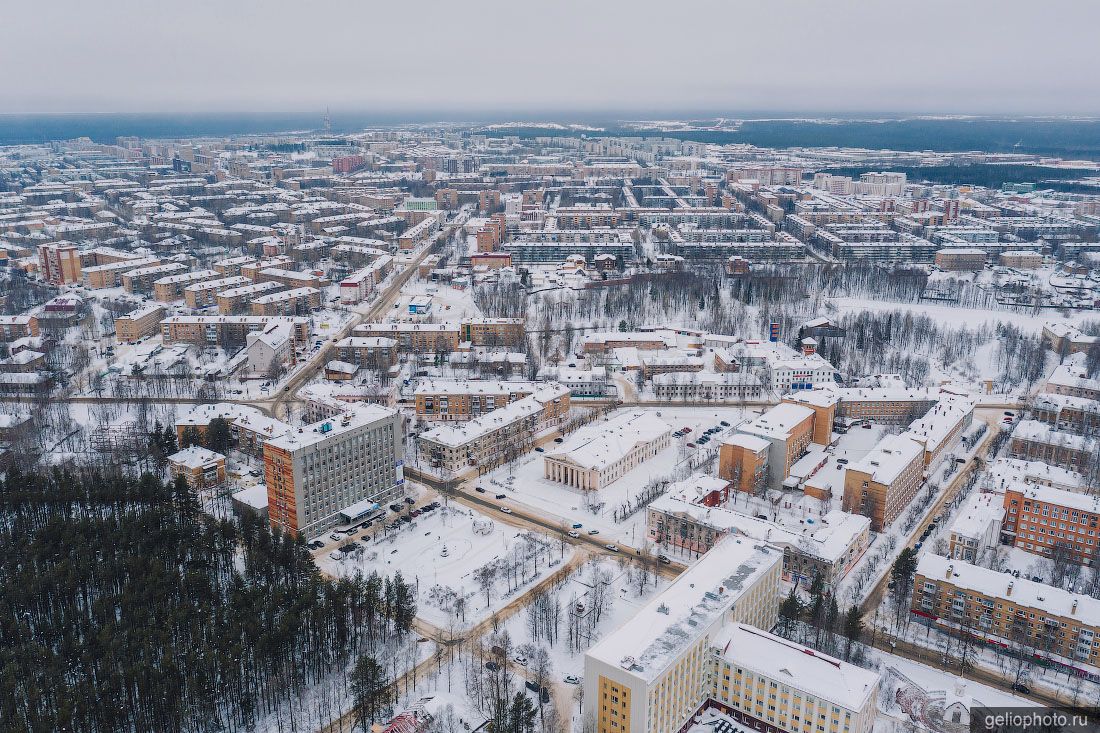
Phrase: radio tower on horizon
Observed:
(326, 121)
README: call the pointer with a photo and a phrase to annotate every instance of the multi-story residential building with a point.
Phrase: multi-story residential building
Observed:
(110, 275)
(17, 327)
(167, 289)
(59, 263)
(603, 452)
(138, 324)
(976, 529)
(1064, 412)
(222, 330)
(1036, 441)
(886, 405)
(314, 472)
(495, 434)
(655, 671)
(599, 343)
(961, 259)
(693, 517)
(1044, 520)
(707, 387)
(141, 280)
(1042, 621)
(1071, 378)
(296, 302)
(249, 428)
(361, 283)
(204, 294)
(371, 352)
(1066, 339)
(438, 399)
(882, 483)
(426, 337)
(768, 683)
(290, 278)
(493, 332)
(237, 300)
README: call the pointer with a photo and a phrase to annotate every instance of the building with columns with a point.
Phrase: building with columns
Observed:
(603, 452)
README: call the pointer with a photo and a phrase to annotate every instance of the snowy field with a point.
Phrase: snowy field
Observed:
(465, 566)
(524, 484)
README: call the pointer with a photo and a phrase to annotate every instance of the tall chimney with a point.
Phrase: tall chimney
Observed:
(1009, 593)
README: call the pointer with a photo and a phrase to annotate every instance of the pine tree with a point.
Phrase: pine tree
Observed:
(368, 685)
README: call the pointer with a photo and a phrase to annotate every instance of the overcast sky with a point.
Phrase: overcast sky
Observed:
(927, 56)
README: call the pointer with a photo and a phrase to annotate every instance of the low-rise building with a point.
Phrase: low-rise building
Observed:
(788, 428)
(199, 467)
(296, 302)
(707, 387)
(226, 330)
(1047, 521)
(449, 399)
(374, 352)
(1036, 441)
(603, 452)
(976, 529)
(138, 324)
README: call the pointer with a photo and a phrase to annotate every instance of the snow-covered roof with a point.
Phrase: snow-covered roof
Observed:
(254, 496)
(1024, 592)
(1039, 432)
(602, 444)
(701, 596)
(1063, 498)
(356, 416)
(979, 511)
(939, 421)
(464, 433)
(797, 666)
(779, 421)
(473, 387)
(195, 457)
(885, 462)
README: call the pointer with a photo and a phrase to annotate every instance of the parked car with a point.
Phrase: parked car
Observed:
(502, 496)
(724, 424)
(685, 430)
(593, 531)
(395, 507)
(521, 661)
(574, 534)
(572, 679)
(506, 510)
(664, 559)
(335, 537)
(613, 548)
(1021, 687)
(409, 500)
(559, 440)
(479, 489)
(539, 449)
(492, 666)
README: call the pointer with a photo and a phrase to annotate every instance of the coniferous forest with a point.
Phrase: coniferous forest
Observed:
(123, 607)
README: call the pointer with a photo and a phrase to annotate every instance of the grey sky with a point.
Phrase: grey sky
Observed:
(466, 55)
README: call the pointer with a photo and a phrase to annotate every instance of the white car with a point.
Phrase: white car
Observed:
(572, 679)
(521, 661)
(335, 537)
(506, 510)
(613, 548)
(574, 534)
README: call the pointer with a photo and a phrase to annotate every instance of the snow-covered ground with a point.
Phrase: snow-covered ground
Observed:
(524, 484)
(443, 553)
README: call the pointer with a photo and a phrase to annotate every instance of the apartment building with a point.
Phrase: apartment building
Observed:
(693, 516)
(296, 302)
(110, 275)
(370, 352)
(1077, 414)
(446, 399)
(426, 337)
(603, 452)
(290, 278)
(138, 324)
(204, 294)
(232, 266)
(314, 472)
(1041, 519)
(961, 259)
(17, 327)
(1036, 441)
(768, 683)
(743, 461)
(885, 405)
(234, 301)
(707, 387)
(599, 343)
(223, 330)
(494, 434)
(1071, 378)
(59, 263)
(493, 331)
(654, 672)
(1047, 622)
(976, 529)
(249, 428)
(882, 483)
(1063, 338)
(361, 283)
(170, 288)
(141, 280)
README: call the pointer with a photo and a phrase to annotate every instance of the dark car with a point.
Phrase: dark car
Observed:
(1021, 687)
(410, 500)
(540, 449)
(502, 496)
(492, 666)
(559, 440)
(724, 424)
(406, 518)
(479, 489)
(395, 507)
(664, 559)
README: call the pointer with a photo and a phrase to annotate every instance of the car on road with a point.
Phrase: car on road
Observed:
(1021, 687)
(664, 559)
(335, 537)
(395, 507)
(613, 548)
(479, 489)
(520, 660)
(559, 440)
(409, 500)
(506, 510)
(574, 533)
(502, 496)
(539, 449)
(724, 424)
(1009, 413)
(571, 679)
(593, 531)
